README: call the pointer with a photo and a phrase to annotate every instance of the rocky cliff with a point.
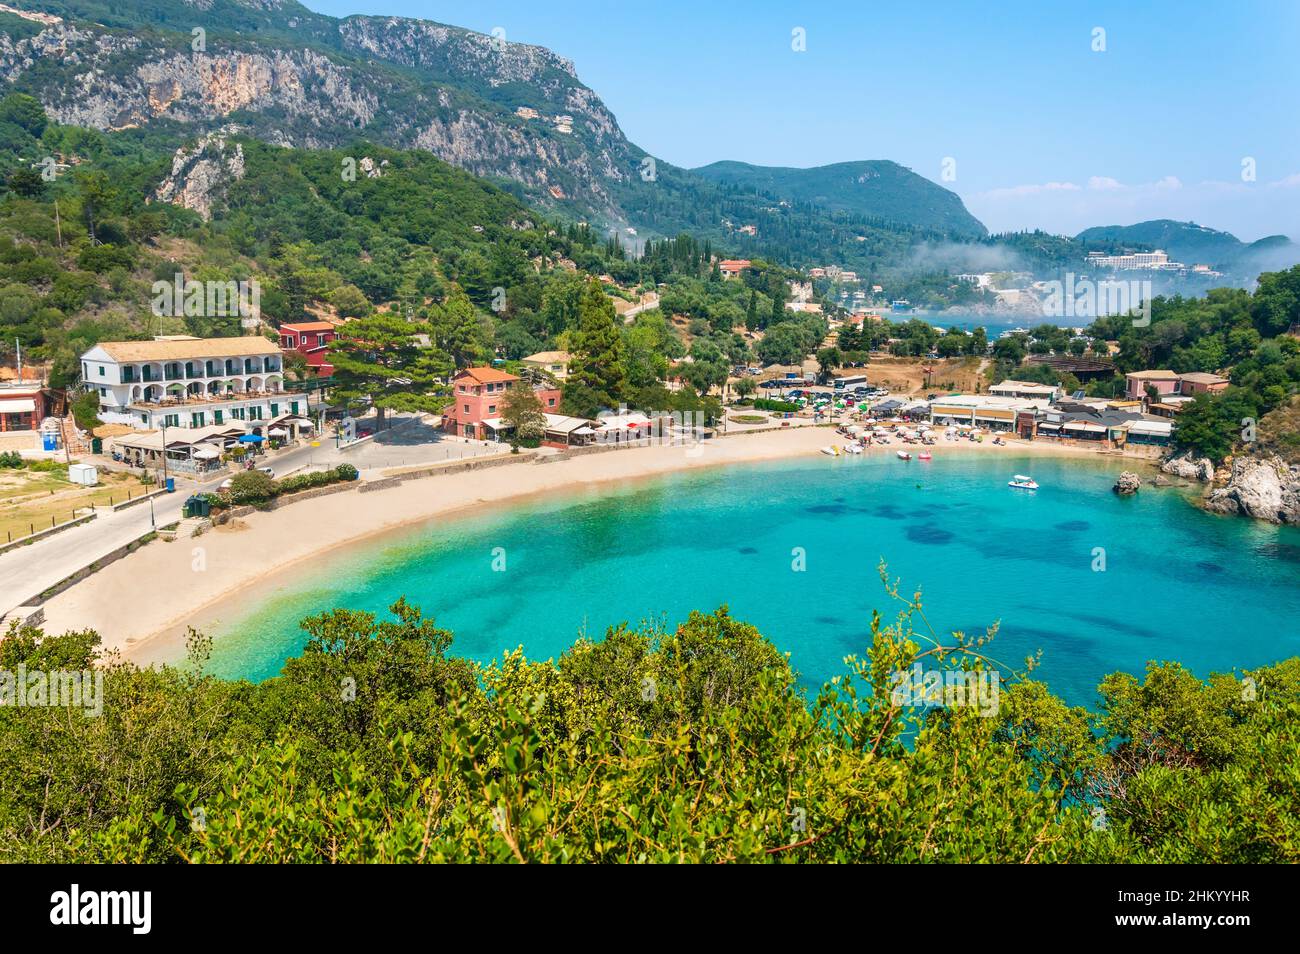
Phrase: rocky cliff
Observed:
(511, 112)
(1264, 487)
(502, 110)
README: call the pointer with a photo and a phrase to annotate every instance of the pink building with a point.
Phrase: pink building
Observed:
(479, 394)
(1202, 382)
(1137, 382)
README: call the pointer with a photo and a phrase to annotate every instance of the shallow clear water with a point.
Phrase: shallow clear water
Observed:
(1212, 592)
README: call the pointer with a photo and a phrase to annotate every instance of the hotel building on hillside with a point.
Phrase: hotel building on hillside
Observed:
(179, 381)
(1155, 261)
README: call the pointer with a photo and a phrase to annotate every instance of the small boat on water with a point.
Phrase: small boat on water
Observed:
(1023, 482)
(903, 455)
(924, 455)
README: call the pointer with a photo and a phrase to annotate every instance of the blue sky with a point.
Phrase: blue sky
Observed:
(1045, 132)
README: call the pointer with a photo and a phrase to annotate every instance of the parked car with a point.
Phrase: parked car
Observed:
(270, 472)
(227, 483)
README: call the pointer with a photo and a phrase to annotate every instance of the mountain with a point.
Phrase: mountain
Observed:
(506, 111)
(1192, 244)
(514, 113)
(875, 188)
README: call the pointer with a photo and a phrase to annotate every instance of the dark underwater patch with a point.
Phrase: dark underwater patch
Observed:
(928, 533)
(1073, 526)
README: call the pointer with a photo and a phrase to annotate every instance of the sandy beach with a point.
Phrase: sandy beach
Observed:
(142, 604)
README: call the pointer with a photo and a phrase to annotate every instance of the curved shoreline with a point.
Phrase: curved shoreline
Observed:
(248, 560)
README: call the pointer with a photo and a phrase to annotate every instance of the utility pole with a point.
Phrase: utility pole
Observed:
(164, 456)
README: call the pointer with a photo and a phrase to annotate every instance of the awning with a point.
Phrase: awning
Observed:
(278, 432)
(17, 406)
(250, 439)
(207, 453)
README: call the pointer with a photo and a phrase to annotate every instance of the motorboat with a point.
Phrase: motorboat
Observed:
(903, 455)
(1022, 482)
(831, 451)
(853, 448)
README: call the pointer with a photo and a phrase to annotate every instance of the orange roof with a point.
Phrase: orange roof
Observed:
(486, 375)
(309, 326)
(734, 264)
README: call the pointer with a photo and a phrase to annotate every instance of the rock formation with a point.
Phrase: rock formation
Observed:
(1128, 483)
(1263, 487)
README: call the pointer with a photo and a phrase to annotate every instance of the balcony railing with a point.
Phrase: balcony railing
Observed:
(181, 400)
(130, 375)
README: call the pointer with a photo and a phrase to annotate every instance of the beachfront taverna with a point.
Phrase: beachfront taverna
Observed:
(181, 381)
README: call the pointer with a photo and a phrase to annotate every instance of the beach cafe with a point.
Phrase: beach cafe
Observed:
(193, 450)
(198, 450)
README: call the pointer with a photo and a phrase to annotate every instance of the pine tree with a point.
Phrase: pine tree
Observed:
(380, 359)
(597, 370)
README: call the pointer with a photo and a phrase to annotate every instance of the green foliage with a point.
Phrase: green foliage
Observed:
(597, 374)
(85, 409)
(688, 744)
(771, 404)
(523, 411)
(381, 361)
(252, 487)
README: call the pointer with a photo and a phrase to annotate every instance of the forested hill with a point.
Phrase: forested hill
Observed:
(873, 188)
(1190, 243)
(514, 113)
(349, 231)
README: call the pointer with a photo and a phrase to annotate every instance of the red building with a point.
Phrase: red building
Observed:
(309, 339)
(478, 394)
(22, 405)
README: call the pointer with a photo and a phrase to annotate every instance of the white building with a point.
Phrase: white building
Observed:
(996, 412)
(180, 381)
(1026, 389)
(1157, 260)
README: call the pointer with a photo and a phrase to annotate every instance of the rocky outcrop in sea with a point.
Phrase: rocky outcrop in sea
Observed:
(1128, 484)
(1264, 487)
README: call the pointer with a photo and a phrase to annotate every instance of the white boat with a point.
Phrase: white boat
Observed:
(1023, 482)
(903, 455)
(831, 451)
(853, 448)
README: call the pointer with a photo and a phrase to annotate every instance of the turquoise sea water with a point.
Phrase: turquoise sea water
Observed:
(1212, 592)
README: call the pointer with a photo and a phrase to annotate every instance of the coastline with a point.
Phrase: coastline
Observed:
(250, 557)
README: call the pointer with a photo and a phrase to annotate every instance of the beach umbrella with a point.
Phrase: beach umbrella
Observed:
(250, 439)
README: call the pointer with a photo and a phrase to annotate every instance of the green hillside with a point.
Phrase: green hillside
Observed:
(874, 188)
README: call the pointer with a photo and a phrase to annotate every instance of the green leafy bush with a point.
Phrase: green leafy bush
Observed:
(252, 486)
